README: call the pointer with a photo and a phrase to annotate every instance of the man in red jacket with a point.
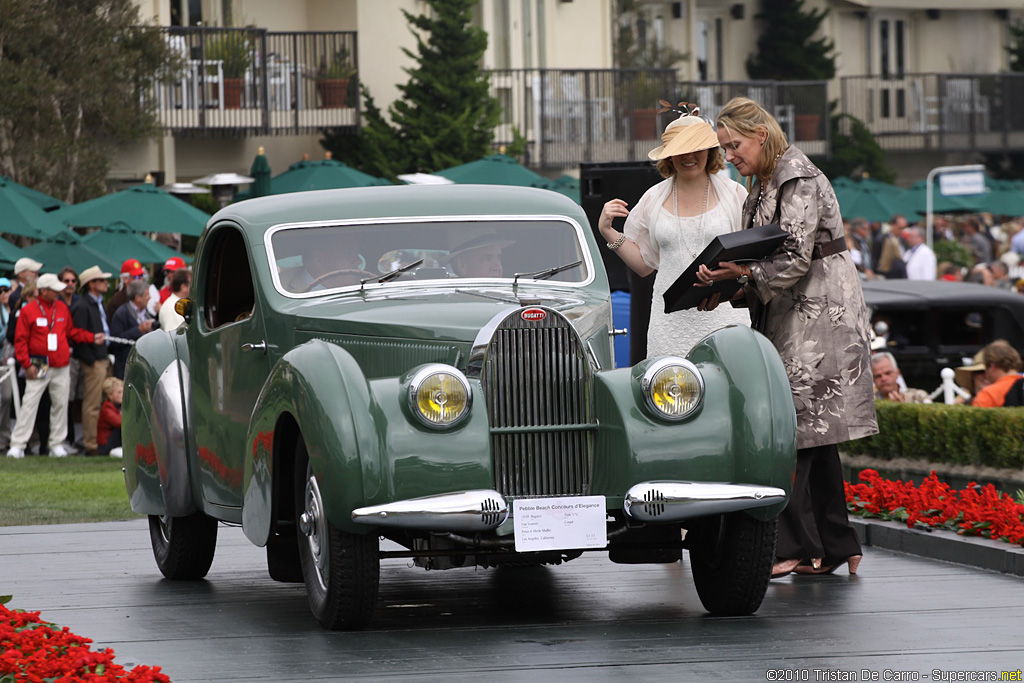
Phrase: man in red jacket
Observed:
(41, 348)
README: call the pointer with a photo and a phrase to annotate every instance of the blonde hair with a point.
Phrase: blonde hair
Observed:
(109, 384)
(715, 163)
(748, 118)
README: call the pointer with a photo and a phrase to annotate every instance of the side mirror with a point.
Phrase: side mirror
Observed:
(183, 307)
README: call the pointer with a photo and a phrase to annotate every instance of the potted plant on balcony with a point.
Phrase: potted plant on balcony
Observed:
(234, 51)
(646, 91)
(332, 79)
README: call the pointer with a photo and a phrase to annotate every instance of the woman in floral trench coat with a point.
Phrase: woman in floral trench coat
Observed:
(807, 300)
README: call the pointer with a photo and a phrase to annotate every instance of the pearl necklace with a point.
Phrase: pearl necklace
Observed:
(679, 223)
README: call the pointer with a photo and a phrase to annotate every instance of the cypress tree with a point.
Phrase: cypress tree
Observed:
(787, 49)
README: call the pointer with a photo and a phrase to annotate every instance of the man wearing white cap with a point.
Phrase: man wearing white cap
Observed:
(88, 314)
(41, 348)
(26, 270)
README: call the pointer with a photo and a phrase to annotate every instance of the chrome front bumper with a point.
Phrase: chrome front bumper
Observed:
(673, 501)
(657, 502)
(463, 511)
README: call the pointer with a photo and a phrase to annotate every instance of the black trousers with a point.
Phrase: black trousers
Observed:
(815, 522)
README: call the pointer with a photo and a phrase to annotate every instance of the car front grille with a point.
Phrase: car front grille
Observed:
(537, 382)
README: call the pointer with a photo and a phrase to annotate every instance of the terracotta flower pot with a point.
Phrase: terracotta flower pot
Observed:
(645, 124)
(806, 126)
(233, 92)
(333, 92)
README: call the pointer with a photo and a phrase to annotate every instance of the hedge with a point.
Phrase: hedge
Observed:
(957, 435)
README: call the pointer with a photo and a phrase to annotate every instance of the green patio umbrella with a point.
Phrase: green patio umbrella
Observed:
(9, 255)
(144, 207)
(1004, 198)
(20, 216)
(67, 249)
(260, 172)
(43, 201)
(497, 169)
(120, 243)
(917, 200)
(870, 199)
(326, 174)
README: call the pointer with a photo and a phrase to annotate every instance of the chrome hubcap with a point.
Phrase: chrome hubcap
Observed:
(313, 525)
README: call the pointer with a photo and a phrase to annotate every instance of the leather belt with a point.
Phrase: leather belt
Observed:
(836, 246)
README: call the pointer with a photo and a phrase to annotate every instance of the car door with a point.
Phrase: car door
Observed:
(228, 362)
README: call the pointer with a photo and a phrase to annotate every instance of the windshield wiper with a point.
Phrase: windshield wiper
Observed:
(545, 274)
(390, 275)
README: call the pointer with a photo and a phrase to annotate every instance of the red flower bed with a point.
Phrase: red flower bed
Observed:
(974, 511)
(34, 651)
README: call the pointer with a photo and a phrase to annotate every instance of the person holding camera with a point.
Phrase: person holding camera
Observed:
(130, 321)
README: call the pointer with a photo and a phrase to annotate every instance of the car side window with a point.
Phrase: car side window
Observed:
(229, 295)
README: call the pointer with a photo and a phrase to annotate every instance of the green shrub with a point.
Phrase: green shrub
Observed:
(956, 435)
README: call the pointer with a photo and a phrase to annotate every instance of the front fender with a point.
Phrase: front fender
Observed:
(156, 471)
(744, 432)
(323, 388)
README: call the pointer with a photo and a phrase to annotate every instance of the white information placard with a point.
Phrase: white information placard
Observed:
(956, 184)
(559, 523)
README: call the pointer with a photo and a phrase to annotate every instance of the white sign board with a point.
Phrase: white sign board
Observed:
(953, 184)
(559, 523)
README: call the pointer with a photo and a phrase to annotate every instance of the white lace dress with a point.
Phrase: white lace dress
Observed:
(678, 244)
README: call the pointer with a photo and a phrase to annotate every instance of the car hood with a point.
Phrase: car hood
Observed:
(441, 314)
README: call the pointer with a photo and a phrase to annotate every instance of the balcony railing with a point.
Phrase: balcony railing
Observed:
(252, 81)
(595, 115)
(939, 112)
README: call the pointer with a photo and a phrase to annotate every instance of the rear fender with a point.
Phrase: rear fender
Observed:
(154, 432)
(318, 385)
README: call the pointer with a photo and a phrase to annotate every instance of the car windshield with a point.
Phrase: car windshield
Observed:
(323, 258)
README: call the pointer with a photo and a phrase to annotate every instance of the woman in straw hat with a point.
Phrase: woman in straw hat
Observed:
(811, 307)
(671, 225)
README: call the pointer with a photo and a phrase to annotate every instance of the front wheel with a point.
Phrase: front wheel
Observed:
(183, 546)
(341, 570)
(731, 560)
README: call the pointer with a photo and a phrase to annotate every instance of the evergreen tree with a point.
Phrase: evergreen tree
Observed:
(787, 49)
(1016, 47)
(854, 151)
(446, 116)
(73, 74)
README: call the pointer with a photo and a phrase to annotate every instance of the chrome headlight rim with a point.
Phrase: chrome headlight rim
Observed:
(647, 380)
(416, 381)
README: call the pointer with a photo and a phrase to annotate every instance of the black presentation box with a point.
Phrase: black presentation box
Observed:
(744, 245)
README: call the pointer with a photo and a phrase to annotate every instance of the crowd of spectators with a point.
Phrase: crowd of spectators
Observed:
(66, 341)
(898, 249)
(990, 254)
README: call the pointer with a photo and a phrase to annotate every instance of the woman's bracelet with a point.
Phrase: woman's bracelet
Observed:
(617, 243)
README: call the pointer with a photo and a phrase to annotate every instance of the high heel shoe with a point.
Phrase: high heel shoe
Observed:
(783, 567)
(853, 561)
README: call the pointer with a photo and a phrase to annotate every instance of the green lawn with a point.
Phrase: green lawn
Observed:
(39, 490)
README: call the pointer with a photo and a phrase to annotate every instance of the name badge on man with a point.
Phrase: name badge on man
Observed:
(51, 342)
(40, 322)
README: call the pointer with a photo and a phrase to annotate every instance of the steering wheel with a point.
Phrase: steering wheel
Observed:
(334, 273)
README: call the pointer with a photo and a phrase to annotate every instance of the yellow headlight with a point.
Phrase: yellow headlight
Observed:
(673, 388)
(439, 396)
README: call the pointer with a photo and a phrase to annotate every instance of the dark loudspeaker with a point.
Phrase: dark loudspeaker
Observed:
(600, 182)
(933, 13)
(736, 11)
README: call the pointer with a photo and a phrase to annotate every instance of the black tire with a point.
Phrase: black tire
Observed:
(731, 561)
(283, 561)
(341, 570)
(183, 546)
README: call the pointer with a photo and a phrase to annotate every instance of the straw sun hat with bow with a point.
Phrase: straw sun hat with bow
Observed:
(687, 134)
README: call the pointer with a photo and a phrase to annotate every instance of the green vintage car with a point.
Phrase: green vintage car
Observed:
(432, 366)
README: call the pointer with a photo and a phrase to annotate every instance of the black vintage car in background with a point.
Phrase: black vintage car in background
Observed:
(928, 326)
